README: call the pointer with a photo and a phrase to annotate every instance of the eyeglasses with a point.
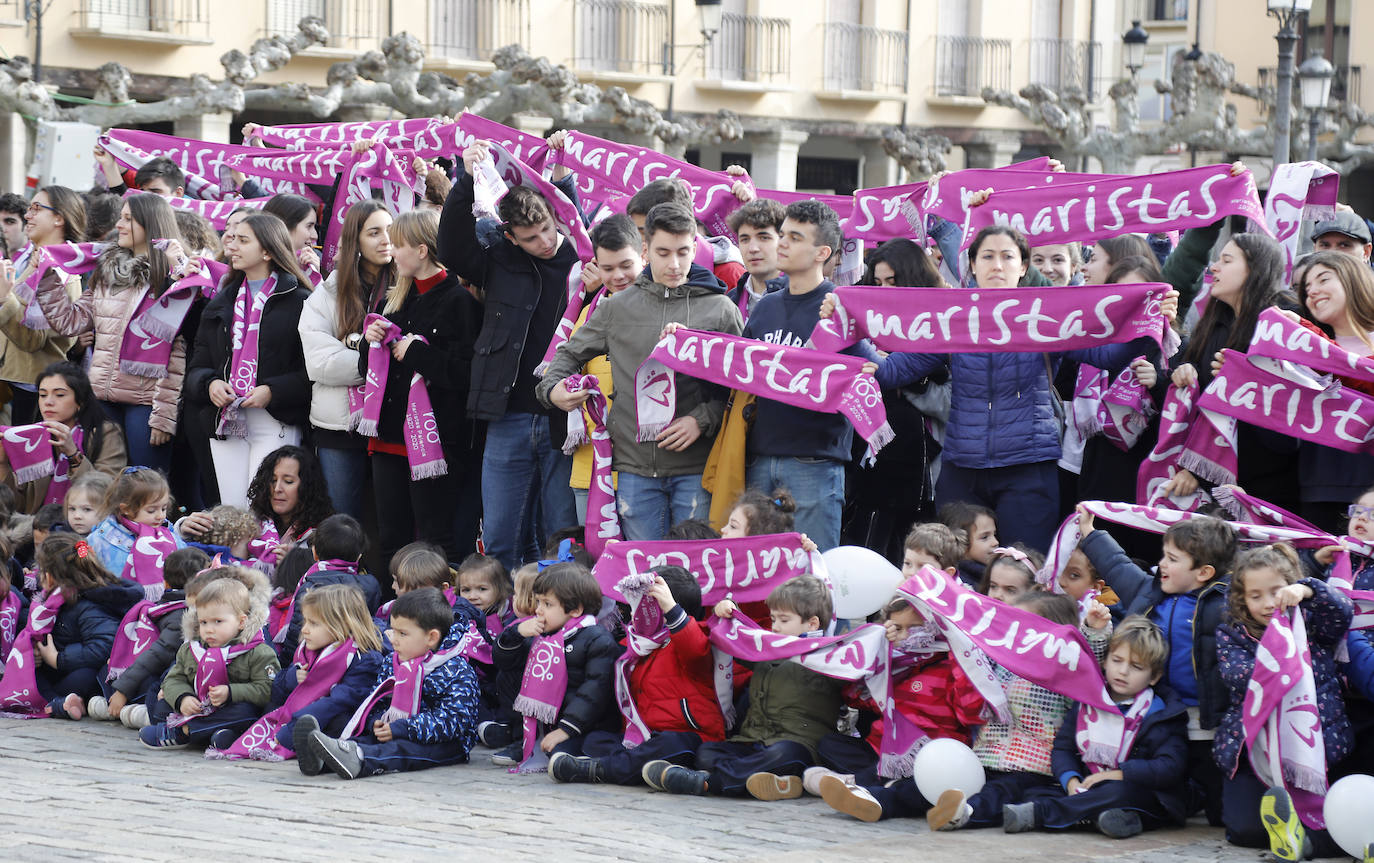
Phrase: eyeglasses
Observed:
(34, 207)
(1357, 511)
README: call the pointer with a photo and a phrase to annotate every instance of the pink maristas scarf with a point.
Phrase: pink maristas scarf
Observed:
(146, 348)
(74, 259)
(602, 515)
(152, 545)
(32, 456)
(1105, 739)
(323, 669)
(423, 448)
(1279, 714)
(289, 608)
(1200, 441)
(814, 380)
(247, 323)
(745, 569)
(212, 669)
(645, 633)
(403, 689)
(542, 688)
(137, 632)
(9, 620)
(19, 696)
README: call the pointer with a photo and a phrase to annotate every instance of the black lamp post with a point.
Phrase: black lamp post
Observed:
(1288, 12)
(1315, 76)
(1133, 43)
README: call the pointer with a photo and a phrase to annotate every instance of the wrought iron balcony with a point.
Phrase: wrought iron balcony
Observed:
(1062, 63)
(187, 19)
(354, 25)
(474, 29)
(749, 48)
(859, 57)
(964, 65)
(627, 36)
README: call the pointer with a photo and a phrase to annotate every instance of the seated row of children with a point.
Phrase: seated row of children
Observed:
(535, 668)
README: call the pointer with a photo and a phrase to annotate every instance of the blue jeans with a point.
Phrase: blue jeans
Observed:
(816, 484)
(345, 473)
(525, 493)
(649, 505)
(133, 421)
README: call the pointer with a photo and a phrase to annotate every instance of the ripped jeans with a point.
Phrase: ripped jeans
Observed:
(650, 505)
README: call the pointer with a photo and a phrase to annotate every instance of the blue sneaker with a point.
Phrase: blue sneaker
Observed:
(160, 736)
(510, 756)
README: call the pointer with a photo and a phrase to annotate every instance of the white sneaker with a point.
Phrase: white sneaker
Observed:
(99, 708)
(812, 776)
(950, 812)
(135, 716)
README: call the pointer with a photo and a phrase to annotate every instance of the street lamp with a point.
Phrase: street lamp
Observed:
(710, 12)
(1315, 75)
(1287, 11)
(1133, 43)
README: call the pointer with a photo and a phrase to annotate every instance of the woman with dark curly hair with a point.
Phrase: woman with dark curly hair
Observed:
(288, 493)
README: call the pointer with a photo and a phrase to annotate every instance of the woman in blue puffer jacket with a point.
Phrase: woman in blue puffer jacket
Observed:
(1003, 441)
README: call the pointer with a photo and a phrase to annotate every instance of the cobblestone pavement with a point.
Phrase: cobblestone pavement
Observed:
(91, 791)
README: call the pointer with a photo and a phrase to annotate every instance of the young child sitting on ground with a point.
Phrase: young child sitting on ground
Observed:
(338, 544)
(1123, 774)
(790, 708)
(668, 671)
(578, 696)
(223, 674)
(422, 711)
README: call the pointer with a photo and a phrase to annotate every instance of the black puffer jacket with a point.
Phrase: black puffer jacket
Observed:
(157, 657)
(514, 282)
(449, 318)
(85, 628)
(590, 654)
(281, 360)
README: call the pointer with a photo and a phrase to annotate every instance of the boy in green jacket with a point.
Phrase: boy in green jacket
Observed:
(222, 677)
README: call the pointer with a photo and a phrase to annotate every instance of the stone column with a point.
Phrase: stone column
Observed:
(532, 124)
(879, 169)
(775, 159)
(991, 149)
(14, 152)
(212, 127)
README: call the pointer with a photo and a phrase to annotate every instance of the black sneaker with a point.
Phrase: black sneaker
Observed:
(1119, 823)
(223, 739)
(341, 756)
(494, 735)
(564, 767)
(510, 756)
(306, 759)
(652, 773)
(680, 780)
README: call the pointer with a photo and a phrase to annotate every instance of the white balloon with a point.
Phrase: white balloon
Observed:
(862, 580)
(1347, 810)
(944, 764)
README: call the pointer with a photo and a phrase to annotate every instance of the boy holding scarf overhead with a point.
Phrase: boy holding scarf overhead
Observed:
(422, 712)
(659, 478)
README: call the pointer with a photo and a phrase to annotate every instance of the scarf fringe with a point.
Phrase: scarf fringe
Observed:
(1205, 468)
(899, 765)
(156, 327)
(429, 469)
(32, 472)
(545, 713)
(5, 714)
(881, 438)
(143, 370)
(1226, 499)
(650, 432)
(576, 440)
(1305, 778)
(541, 368)
(1100, 753)
(113, 674)
(153, 592)
(367, 427)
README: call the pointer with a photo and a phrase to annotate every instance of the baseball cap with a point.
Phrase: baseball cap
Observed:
(1346, 223)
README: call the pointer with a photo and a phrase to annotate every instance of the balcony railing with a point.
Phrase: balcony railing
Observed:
(1063, 63)
(355, 25)
(858, 57)
(629, 36)
(11, 10)
(474, 29)
(1345, 87)
(184, 18)
(749, 48)
(1157, 10)
(964, 65)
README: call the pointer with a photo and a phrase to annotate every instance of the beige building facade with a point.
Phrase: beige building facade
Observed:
(815, 82)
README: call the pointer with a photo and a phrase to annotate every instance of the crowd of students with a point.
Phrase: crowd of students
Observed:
(447, 384)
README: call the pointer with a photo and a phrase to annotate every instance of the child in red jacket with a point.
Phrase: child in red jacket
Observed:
(666, 685)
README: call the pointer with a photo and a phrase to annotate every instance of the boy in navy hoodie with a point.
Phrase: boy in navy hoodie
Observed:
(1187, 601)
(789, 447)
(1121, 773)
(338, 544)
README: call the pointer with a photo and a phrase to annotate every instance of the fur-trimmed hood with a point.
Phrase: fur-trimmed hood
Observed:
(259, 600)
(119, 268)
